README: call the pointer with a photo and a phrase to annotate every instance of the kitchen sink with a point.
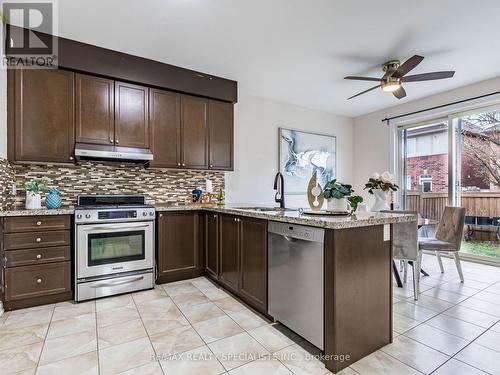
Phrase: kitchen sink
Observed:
(265, 209)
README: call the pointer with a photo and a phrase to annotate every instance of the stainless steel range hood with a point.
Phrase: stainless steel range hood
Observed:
(87, 151)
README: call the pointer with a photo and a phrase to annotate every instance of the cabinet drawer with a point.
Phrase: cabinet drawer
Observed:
(15, 258)
(36, 223)
(37, 240)
(35, 281)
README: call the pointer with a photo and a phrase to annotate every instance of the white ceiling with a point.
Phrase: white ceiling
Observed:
(298, 51)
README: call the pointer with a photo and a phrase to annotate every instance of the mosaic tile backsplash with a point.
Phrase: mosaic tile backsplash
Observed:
(158, 185)
(6, 181)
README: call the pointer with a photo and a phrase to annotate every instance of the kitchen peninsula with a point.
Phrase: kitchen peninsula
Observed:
(229, 245)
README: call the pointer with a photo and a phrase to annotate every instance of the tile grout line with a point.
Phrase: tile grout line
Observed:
(45, 339)
(439, 313)
(147, 333)
(244, 330)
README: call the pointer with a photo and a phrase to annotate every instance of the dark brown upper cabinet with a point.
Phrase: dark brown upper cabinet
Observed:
(131, 115)
(220, 135)
(94, 110)
(165, 120)
(41, 114)
(194, 140)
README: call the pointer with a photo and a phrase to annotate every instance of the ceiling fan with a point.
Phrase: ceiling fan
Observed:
(395, 76)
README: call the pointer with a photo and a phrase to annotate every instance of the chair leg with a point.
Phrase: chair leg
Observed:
(459, 266)
(405, 271)
(417, 264)
(440, 261)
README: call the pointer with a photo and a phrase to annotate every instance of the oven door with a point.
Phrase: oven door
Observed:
(105, 249)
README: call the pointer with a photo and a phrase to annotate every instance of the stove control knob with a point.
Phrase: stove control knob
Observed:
(151, 213)
(87, 216)
(144, 213)
(79, 216)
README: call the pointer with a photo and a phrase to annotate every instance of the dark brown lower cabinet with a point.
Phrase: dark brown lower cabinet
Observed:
(243, 258)
(178, 246)
(229, 239)
(36, 254)
(253, 262)
(212, 244)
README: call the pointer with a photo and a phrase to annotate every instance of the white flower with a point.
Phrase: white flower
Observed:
(386, 177)
(375, 176)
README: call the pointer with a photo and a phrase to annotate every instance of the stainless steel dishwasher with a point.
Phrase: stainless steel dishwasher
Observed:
(295, 285)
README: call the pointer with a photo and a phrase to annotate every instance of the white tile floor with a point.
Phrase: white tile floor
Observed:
(192, 327)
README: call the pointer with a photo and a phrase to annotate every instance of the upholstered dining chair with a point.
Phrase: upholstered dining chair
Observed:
(448, 237)
(405, 248)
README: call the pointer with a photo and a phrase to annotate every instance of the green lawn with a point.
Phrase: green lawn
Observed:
(489, 249)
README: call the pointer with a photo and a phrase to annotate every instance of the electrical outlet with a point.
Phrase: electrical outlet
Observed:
(14, 189)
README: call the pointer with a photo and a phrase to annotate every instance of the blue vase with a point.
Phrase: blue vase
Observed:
(53, 199)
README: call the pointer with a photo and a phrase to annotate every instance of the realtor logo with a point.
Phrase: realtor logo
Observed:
(29, 29)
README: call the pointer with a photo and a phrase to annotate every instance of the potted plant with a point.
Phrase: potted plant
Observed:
(380, 185)
(33, 193)
(339, 196)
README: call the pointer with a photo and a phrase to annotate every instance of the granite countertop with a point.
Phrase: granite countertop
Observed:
(21, 211)
(360, 219)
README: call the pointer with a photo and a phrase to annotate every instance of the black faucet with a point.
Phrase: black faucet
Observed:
(280, 196)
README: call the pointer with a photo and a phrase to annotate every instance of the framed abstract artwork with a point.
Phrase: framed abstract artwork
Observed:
(301, 154)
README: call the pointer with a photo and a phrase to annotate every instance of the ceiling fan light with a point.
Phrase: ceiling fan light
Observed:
(391, 86)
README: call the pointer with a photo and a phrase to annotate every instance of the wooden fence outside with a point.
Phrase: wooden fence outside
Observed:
(431, 205)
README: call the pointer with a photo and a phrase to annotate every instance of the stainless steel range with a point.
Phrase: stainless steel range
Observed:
(114, 245)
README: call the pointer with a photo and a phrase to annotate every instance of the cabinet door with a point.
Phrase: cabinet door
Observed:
(220, 135)
(94, 112)
(43, 118)
(253, 262)
(229, 272)
(178, 250)
(194, 132)
(212, 243)
(165, 120)
(131, 115)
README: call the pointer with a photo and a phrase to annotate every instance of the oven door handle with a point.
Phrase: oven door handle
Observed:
(121, 282)
(121, 226)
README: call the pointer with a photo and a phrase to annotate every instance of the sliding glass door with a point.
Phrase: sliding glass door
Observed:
(455, 161)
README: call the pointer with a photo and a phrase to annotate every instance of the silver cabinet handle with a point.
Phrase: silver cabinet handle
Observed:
(215, 216)
(39, 281)
(111, 140)
(39, 256)
(178, 164)
(160, 215)
(38, 223)
(117, 141)
(38, 240)
(183, 164)
(211, 165)
(71, 158)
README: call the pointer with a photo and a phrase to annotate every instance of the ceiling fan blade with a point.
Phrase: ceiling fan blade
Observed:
(364, 92)
(408, 65)
(428, 76)
(399, 93)
(356, 78)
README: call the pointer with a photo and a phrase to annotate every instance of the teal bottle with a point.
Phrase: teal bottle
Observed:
(53, 199)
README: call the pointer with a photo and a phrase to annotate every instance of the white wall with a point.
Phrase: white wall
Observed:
(256, 144)
(371, 151)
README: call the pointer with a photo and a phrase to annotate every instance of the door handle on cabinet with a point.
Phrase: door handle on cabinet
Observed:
(38, 223)
(111, 140)
(117, 141)
(39, 281)
(38, 240)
